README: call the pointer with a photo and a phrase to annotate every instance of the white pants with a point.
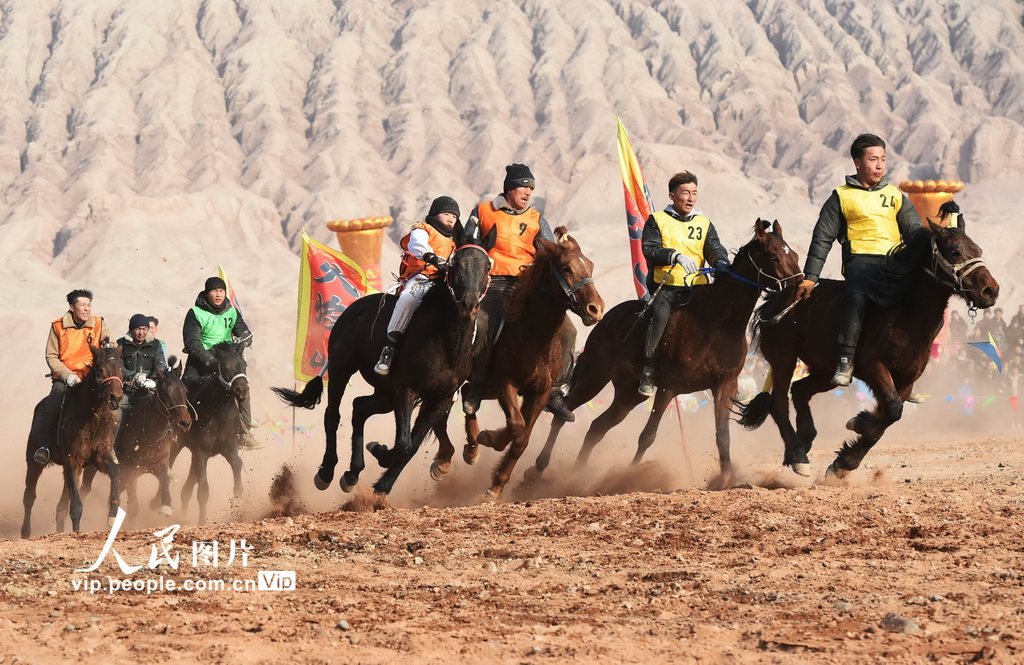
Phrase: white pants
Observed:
(408, 301)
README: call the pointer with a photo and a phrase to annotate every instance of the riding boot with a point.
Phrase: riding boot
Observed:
(246, 441)
(556, 405)
(844, 371)
(46, 422)
(646, 387)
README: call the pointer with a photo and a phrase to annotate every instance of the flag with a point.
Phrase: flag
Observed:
(990, 350)
(638, 208)
(223, 274)
(329, 282)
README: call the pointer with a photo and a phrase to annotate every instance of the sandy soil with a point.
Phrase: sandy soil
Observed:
(916, 559)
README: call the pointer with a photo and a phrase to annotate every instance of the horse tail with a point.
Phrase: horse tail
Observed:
(308, 398)
(755, 412)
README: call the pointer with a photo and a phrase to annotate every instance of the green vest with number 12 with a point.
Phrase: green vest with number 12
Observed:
(216, 328)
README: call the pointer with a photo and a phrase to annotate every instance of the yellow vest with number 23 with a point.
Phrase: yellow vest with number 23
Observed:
(686, 237)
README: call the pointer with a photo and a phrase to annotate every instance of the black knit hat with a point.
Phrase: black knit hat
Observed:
(518, 175)
(444, 204)
(138, 321)
(214, 283)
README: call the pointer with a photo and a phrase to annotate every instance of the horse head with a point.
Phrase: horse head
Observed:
(107, 370)
(467, 274)
(956, 259)
(231, 368)
(775, 262)
(172, 396)
(573, 273)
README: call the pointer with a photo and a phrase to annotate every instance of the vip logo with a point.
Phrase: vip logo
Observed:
(276, 580)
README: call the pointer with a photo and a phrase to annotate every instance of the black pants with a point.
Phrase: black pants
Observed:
(490, 315)
(44, 427)
(859, 273)
(658, 314)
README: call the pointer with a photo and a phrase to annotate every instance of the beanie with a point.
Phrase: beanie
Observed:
(214, 283)
(138, 321)
(444, 204)
(518, 175)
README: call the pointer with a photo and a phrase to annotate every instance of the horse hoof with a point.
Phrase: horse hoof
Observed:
(166, 511)
(471, 453)
(801, 469)
(835, 472)
(851, 424)
(484, 439)
(438, 470)
(492, 495)
(110, 521)
(345, 487)
(380, 453)
(532, 475)
(320, 483)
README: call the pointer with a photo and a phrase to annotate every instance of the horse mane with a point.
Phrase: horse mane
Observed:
(529, 282)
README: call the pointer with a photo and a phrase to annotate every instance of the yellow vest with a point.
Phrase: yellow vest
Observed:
(686, 238)
(871, 218)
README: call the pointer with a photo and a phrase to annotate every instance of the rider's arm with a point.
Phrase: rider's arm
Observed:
(58, 368)
(472, 228)
(191, 333)
(654, 252)
(419, 244)
(714, 251)
(907, 218)
(241, 329)
(828, 228)
(545, 232)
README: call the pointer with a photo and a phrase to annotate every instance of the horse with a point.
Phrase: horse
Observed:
(144, 442)
(703, 348)
(429, 366)
(217, 426)
(85, 436)
(527, 354)
(917, 281)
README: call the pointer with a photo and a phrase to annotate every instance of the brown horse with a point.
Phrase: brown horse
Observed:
(428, 368)
(527, 354)
(85, 435)
(703, 348)
(143, 444)
(916, 284)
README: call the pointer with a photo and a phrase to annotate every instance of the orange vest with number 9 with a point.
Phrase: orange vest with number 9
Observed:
(513, 249)
(74, 345)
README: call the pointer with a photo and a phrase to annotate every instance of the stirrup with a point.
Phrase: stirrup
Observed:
(41, 456)
(383, 365)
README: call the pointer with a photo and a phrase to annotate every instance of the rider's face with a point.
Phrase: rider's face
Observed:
(519, 197)
(81, 310)
(684, 198)
(447, 220)
(871, 167)
(216, 297)
(139, 334)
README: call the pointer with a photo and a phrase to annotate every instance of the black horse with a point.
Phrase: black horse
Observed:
(218, 424)
(429, 366)
(85, 433)
(911, 297)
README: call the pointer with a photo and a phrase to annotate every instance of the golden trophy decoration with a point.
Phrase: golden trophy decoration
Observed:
(928, 195)
(361, 240)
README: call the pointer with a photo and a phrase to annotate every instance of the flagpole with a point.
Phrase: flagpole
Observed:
(294, 424)
(682, 441)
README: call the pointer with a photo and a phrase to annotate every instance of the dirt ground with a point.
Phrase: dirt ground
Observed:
(916, 558)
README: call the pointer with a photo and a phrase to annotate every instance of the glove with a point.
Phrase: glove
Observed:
(434, 259)
(804, 290)
(139, 380)
(688, 264)
(150, 385)
(722, 266)
(72, 380)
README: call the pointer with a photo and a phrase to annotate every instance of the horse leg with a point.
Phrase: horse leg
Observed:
(131, 486)
(521, 426)
(661, 401)
(471, 451)
(794, 455)
(445, 450)
(803, 391)
(202, 482)
(544, 458)
(62, 505)
(889, 409)
(429, 415)
(190, 481)
(626, 397)
(498, 439)
(403, 406)
(71, 480)
(235, 462)
(362, 409)
(588, 378)
(87, 476)
(163, 477)
(29, 498)
(332, 419)
(114, 471)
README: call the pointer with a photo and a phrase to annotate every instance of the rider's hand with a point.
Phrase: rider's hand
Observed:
(433, 259)
(804, 290)
(139, 380)
(688, 264)
(245, 341)
(73, 380)
(149, 384)
(722, 266)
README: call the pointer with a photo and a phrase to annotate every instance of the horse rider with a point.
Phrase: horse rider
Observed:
(869, 217)
(520, 227)
(211, 321)
(69, 357)
(154, 330)
(428, 246)
(142, 357)
(677, 241)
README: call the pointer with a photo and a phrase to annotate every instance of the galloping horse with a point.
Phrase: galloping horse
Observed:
(527, 354)
(144, 442)
(218, 425)
(85, 433)
(428, 368)
(703, 347)
(919, 279)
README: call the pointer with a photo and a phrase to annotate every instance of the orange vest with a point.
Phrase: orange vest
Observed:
(439, 243)
(74, 345)
(514, 249)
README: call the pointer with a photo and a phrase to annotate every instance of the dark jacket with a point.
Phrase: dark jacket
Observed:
(191, 332)
(831, 226)
(659, 255)
(145, 358)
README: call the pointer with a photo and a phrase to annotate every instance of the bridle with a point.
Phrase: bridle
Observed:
(227, 383)
(952, 274)
(779, 283)
(448, 271)
(569, 291)
(189, 409)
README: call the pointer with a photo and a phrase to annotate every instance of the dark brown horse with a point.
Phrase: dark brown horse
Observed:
(527, 354)
(703, 348)
(429, 366)
(218, 425)
(149, 431)
(917, 282)
(85, 435)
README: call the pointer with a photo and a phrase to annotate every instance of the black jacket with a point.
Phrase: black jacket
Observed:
(191, 332)
(145, 358)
